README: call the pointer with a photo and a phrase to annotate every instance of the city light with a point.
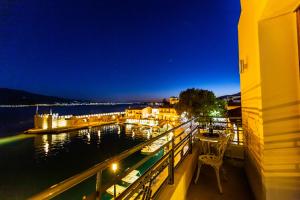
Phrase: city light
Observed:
(114, 167)
(214, 113)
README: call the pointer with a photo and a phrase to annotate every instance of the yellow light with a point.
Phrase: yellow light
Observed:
(114, 167)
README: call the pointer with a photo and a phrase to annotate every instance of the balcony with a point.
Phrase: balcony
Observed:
(169, 177)
(234, 182)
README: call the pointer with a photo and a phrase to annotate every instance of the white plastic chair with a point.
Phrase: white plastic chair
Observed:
(215, 161)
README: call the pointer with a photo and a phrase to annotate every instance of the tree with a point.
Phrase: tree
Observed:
(198, 102)
(219, 109)
(165, 102)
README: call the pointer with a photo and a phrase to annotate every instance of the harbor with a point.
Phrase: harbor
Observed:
(55, 123)
(50, 155)
(42, 160)
(156, 117)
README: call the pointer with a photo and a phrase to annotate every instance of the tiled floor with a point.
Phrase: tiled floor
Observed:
(236, 186)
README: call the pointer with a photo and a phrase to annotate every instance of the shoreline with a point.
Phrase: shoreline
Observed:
(67, 104)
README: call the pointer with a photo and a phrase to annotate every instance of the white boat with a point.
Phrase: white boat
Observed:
(150, 148)
(135, 172)
(119, 190)
(154, 146)
(131, 177)
(161, 141)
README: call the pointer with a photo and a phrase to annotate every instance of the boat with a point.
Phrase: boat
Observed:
(150, 149)
(119, 190)
(131, 177)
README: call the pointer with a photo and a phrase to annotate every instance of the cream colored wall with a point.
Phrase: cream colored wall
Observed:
(270, 97)
(251, 95)
(281, 106)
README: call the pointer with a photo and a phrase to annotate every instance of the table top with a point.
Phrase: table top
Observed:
(206, 138)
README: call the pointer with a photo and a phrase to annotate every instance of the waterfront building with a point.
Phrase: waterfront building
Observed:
(51, 121)
(134, 113)
(147, 112)
(151, 113)
(173, 100)
(55, 121)
(168, 114)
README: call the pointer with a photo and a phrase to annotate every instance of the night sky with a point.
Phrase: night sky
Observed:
(119, 50)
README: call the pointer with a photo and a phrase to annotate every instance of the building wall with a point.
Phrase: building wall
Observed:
(147, 112)
(41, 121)
(270, 90)
(168, 114)
(173, 100)
(133, 113)
(281, 105)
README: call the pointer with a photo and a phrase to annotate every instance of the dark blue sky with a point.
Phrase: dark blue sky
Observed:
(119, 50)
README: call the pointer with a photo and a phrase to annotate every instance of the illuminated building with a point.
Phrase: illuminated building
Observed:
(167, 113)
(173, 100)
(233, 101)
(51, 121)
(161, 113)
(150, 115)
(134, 113)
(270, 93)
(54, 120)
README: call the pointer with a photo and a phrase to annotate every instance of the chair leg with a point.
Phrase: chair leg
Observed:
(218, 178)
(198, 172)
(223, 171)
(203, 147)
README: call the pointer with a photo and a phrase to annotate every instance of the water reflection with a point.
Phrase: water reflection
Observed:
(88, 137)
(99, 137)
(46, 148)
(47, 145)
(50, 145)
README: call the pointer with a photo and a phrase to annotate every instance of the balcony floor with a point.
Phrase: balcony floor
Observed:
(236, 187)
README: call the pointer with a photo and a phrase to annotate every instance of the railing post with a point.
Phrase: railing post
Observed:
(190, 138)
(171, 163)
(98, 185)
(238, 136)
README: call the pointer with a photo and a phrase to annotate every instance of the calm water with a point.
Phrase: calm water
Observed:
(29, 164)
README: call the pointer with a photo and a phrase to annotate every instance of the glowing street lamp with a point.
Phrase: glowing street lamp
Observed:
(114, 167)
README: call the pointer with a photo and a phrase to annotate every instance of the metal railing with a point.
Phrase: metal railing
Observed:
(231, 124)
(150, 182)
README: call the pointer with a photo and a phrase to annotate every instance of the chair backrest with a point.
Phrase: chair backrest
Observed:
(222, 146)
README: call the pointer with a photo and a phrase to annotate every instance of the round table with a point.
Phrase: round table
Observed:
(207, 142)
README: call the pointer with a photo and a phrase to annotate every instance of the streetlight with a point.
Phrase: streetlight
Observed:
(114, 167)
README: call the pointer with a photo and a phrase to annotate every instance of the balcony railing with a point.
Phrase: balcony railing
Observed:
(231, 124)
(178, 145)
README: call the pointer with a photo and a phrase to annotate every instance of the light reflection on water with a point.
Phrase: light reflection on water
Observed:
(52, 144)
(43, 160)
(32, 163)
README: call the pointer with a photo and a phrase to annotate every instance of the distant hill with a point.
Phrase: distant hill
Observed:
(230, 96)
(14, 97)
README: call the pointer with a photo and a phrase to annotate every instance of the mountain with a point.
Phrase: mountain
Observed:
(230, 96)
(15, 97)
